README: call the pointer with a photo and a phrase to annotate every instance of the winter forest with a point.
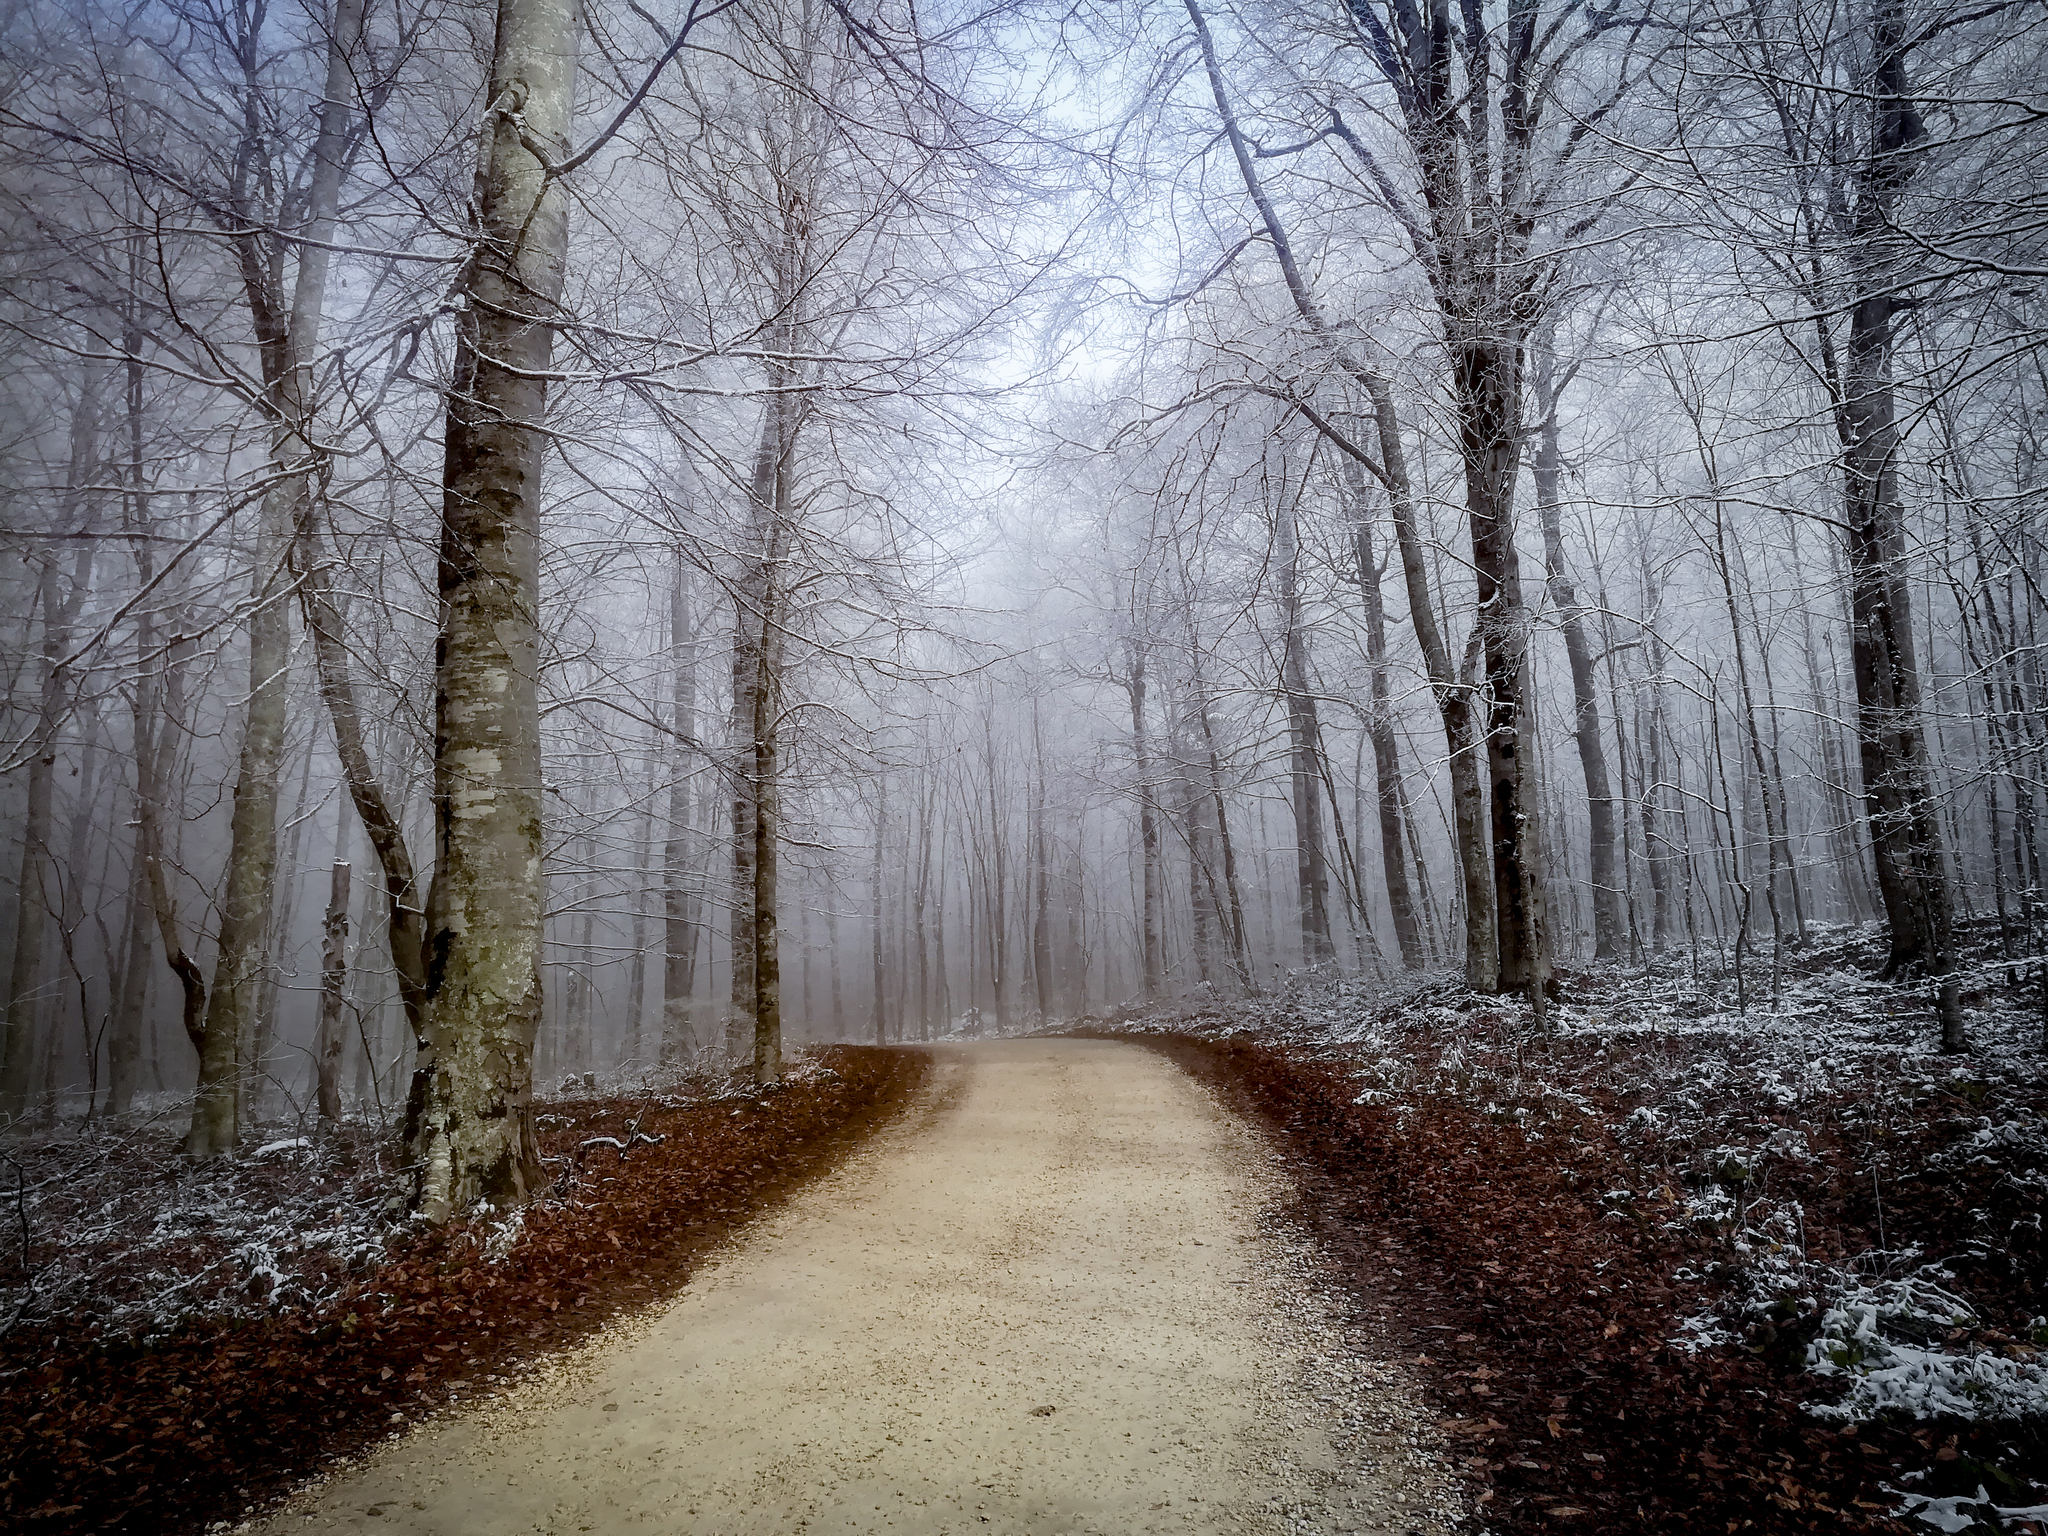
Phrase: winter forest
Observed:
(573, 543)
(600, 593)
(576, 539)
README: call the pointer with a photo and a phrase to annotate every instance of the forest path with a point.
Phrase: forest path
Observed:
(1060, 1225)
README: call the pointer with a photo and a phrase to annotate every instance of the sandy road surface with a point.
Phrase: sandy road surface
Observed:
(1039, 1303)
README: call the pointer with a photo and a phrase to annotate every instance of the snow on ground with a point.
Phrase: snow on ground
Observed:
(115, 1235)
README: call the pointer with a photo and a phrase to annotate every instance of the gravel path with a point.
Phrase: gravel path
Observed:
(1053, 1298)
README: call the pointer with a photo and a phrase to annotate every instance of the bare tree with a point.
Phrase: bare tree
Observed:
(469, 1118)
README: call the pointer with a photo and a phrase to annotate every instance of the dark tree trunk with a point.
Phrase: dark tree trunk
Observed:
(1311, 860)
(1379, 725)
(680, 929)
(1548, 468)
(1041, 896)
(1487, 389)
(333, 998)
(1898, 779)
(1148, 824)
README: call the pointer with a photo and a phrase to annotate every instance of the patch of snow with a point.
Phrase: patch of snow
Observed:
(1876, 1336)
(504, 1235)
(1961, 1511)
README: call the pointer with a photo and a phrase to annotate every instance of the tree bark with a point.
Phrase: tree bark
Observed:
(879, 1020)
(757, 649)
(1548, 469)
(1898, 787)
(680, 927)
(285, 341)
(252, 857)
(406, 928)
(1487, 388)
(469, 1122)
(1386, 752)
(1148, 823)
(636, 971)
(333, 997)
(1240, 953)
(1311, 860)
(35, 898)
(1041, 899)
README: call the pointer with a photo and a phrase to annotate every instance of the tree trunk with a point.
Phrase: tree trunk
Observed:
(880, 1019)
(285, 343)
(245, 906)
(406, 928)
(757, 647)
(636, 971)
(1311, 862)
(1386, 753)
(998, 881)
(1487, 390)
(1898, 781)
(680, 929)
(1041, 899)
(469, 1122)
(581, 1046)
(836, 974)
(1148, 824)
(37, 897)
(333, 996)
(131, 997)
(262, 1051)
(1548, 469)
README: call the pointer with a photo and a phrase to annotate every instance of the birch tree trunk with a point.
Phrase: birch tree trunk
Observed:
(469, 1120)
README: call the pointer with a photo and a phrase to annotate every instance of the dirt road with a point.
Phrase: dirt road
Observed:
(1040, 1303)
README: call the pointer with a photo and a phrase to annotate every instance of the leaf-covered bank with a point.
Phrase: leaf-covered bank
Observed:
(1689, 1273)
(164, 1433)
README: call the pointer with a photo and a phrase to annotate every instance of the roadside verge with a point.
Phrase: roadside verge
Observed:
(167, 1432)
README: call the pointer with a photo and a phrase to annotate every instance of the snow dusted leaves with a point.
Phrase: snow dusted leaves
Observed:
(1884, 1339)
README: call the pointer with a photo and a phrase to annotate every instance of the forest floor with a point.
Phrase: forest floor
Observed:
(182, 1341)
(1687, 1259)
(1684, 1260)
